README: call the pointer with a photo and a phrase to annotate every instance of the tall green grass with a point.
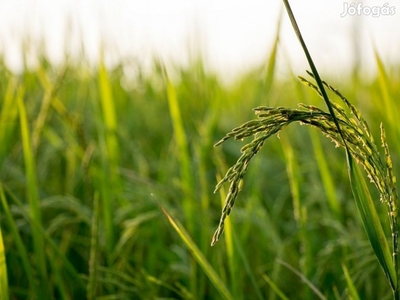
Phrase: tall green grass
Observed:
(88, 157)
(353, 134)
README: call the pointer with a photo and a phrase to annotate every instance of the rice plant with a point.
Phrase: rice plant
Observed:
(89, 155)
(349, 132)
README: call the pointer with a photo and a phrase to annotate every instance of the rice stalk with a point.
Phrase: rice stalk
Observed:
(184, 156)
(303, 278)
(4, 294)
(110, 150)
(8, 117)
(33, 195)
(361, 194)
(299, 208)
(351, 133)
(361, 146)
(326, 176)
(199, 256)
(274, 287)
(352, 291)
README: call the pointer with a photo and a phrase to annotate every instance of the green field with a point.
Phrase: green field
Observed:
(107, 180)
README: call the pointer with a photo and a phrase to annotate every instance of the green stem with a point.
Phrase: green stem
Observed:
(348, 155)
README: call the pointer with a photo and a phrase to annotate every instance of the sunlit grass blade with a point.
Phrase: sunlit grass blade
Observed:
(8, 118)
(3, 265)
(183, 148)
(198, 255)
(110, 118)
(33, 196)
(108, 179)
(312, 66)
(274, 287)
(187, 182)
(350, 284)
(372, 224)
(44, 109)
(386, 102)
(271, 66)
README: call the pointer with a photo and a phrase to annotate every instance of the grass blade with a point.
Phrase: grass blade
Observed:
(187, 180)
(198, 255)
(33, 197)
(326, 175)
(3, 265)
(109, 116)
(387, 104)
(272, 60)
(350, 284)
(182, 143)
(110, 155)
(8, 118)
(273, 286)
(300, 210)
(303, 278)
(372, 225)
(361, 194)
(312, 66)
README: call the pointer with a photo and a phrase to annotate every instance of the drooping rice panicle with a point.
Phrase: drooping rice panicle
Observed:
(355, 131)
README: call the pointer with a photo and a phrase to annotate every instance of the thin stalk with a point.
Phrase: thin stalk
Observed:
(4, 294)
(94, 243)
(315, 72)
(110, 155)
(356, 180)
(33, 197)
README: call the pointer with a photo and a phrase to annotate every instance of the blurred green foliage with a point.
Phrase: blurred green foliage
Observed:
(111, 137)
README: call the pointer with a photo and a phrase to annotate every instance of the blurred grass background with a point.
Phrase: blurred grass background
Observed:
(88, 156)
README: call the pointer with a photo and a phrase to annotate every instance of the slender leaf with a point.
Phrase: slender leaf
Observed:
(303, 278)
(350, 284)
(372, 225)
(33, 196)
(273, 286)
(198, 255)
(4, 295)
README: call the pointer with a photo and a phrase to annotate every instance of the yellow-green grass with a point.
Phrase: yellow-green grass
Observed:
(85, 153)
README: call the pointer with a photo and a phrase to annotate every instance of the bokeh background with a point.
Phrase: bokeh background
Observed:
(231, 36)
(109, 111)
